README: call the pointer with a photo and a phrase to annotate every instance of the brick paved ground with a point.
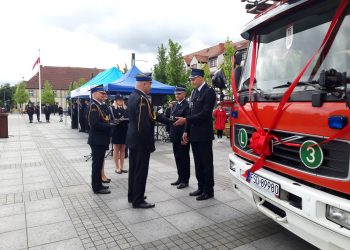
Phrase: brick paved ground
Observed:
(46, 201)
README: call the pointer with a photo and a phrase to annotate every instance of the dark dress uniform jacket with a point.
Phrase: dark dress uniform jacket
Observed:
(179, 110)
(99, 126)
(199, 123)
(141, 122)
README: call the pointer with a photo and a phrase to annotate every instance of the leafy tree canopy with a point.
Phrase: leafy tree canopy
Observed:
(21, 94)
(47, 95)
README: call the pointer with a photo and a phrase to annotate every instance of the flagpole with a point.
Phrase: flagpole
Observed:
(39, 87)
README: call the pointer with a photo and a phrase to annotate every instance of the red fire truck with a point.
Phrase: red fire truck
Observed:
(290, 132)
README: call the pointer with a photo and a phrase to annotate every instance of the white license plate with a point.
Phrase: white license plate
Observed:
(265, 184)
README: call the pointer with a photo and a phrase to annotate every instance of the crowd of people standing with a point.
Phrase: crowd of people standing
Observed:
(130, 127)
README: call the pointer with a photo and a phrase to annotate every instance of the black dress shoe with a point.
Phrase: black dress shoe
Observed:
(143, 205)
(175, 183)
(106, 181)
(104, 187)
(103, 191)
(196, 193)
(144, 197)
(204, 197)
(182, 185)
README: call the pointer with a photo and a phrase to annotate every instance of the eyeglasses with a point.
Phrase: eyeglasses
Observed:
(178, 93)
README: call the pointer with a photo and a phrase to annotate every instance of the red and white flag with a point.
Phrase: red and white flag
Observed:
(37, 62)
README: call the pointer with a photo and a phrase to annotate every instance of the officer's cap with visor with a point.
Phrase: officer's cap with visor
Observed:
(179, 89)
(118, 96)
(98, 89)
(144, 77)
(195, 73)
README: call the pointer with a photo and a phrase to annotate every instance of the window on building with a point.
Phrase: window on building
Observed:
(55, 93)
(213, 62)
(194, 66)
(31, 92)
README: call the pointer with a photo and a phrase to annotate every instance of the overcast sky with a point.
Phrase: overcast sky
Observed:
(102, 34)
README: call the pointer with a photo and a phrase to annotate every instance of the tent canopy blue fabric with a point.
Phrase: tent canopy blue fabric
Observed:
(106, 76)
(126, 84)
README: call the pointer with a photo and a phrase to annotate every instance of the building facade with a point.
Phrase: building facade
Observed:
(213, 56)
(60, 79)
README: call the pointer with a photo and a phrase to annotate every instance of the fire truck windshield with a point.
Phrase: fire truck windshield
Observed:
(286, 45)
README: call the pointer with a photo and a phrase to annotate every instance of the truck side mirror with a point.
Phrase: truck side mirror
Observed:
(238, 74)
(238, 58)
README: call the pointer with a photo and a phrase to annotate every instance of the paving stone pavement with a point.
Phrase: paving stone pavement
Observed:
(46, 201)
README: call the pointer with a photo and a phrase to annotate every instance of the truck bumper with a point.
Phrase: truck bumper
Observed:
(308, 220)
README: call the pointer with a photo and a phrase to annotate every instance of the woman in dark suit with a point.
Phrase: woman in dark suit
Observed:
(120, 114)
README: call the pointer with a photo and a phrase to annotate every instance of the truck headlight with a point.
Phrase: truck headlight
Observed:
(338, 216)
(232, 166)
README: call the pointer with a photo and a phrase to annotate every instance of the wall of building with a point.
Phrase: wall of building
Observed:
(60, 97)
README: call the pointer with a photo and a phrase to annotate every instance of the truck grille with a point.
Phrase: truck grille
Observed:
(336, 153)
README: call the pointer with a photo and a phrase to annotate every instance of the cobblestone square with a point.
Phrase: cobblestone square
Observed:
(46, 201)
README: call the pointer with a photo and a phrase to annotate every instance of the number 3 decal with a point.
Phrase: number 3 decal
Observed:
(311, 154)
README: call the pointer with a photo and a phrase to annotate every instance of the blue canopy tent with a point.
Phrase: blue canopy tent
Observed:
(126, 84)
(106, 76)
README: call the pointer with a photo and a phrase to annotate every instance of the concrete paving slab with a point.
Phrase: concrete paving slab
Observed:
(12, 223)
(132, 216)
(71, 244)
(284, 240)
(192, 202)
(226, 195)
(13, 240)
(37, 179)
(42, 205)
(243, 206)
(152, 230)
(171, 207)
(54, 153)
(11, 189)
(220, 213)
(10, 182)
(50, 233)
(45, 217)
(189, 221)
(38, 186)
(118, 203)
(12, 209)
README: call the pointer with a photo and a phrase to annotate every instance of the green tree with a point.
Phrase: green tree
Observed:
(125, 69)
(207, 76)
(159, 71)
(175, 72)
(81, 82)
(118, 67)
(21, 94)
(47, 95)
(7, 93)
(227, 64)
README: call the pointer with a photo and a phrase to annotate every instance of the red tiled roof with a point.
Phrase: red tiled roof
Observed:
(61, 77)
(202, 59)
(214, 51)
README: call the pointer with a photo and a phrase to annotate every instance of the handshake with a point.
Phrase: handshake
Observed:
(179, 121)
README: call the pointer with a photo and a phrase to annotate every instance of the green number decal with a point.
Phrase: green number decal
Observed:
(311, 154)
(242, 138)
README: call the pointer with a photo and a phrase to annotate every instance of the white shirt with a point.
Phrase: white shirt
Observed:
(200, 87)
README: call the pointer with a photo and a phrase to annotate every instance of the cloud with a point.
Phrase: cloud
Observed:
(90, 33)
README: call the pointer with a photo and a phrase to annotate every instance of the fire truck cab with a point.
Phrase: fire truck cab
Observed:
(304, 181)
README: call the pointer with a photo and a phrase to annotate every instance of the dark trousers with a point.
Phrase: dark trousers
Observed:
(38, 116)
(30, 117)
(47, 117)
(220, 133)
(182, 159)
(98, 156)
(138, 171)
(203, 161)
(82, 124)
